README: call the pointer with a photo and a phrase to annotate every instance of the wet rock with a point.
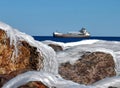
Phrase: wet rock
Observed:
(90, 68)
(56, 47)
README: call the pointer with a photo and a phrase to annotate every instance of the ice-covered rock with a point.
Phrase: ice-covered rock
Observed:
(91, 68)
(19, 52)
(48, 79)
(88, 61)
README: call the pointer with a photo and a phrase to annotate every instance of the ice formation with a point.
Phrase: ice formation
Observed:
(50, 63)
(72, 51)
(48, 79)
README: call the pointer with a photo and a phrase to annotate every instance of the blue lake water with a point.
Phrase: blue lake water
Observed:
(43, 38)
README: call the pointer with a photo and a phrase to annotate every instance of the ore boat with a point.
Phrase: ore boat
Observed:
(82, 33)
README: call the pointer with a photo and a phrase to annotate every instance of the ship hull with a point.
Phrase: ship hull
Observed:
(69, 35)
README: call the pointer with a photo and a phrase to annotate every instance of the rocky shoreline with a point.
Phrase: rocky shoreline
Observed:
(21, 57)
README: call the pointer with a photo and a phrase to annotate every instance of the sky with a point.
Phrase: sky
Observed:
(43, 17)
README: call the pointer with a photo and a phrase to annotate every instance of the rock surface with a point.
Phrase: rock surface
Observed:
(27, 58)
(56, 47)
(90, 68)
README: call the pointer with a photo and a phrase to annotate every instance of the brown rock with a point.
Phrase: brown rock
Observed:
(27, 58)
(56, 47)
(91, 68)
